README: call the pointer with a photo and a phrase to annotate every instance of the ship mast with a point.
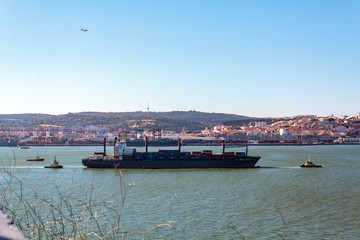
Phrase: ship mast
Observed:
(116, 147)
(104, 147)
(223, 147)
(146, 145)
(179, 145)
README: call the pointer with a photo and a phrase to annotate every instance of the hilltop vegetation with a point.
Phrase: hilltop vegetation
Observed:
(176, 120)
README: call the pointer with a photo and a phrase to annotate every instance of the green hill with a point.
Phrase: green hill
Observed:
(175, 121)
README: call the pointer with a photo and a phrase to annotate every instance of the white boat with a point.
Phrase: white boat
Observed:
(23, 147)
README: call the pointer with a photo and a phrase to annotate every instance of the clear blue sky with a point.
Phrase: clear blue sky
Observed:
(254, 58)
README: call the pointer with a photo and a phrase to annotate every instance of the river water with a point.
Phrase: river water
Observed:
(277, 200)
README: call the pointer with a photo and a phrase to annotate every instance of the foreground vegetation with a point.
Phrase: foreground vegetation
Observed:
(63, 216)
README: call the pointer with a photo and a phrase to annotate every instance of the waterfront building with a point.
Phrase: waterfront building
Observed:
(351, 140)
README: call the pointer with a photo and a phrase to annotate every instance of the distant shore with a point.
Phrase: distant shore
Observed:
(188, 145)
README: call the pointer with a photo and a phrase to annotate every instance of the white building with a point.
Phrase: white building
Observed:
(283, 131)
(260, 124)
(351, 140)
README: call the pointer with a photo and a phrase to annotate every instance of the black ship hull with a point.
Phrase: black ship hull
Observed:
(248, 162)
(311, 166)
(58, 166)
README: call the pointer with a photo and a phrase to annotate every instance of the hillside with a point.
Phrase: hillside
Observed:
(210, 118)
(175, 121)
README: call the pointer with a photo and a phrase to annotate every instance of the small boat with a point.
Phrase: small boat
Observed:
(309, 164)
(54, 165)
(23, 147)
(37, 159)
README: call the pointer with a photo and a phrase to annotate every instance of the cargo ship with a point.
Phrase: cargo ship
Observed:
(125, 157)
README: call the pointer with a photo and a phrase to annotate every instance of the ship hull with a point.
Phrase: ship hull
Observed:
(248, 162)
(58, 166)
(311, 166)
(35, 160)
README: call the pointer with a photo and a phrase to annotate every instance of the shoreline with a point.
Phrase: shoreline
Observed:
(188, 145)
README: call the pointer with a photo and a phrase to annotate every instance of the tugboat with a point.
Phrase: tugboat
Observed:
(55, 164)
(309, 164)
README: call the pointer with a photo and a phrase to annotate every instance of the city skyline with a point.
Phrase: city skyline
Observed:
(251, 58)
(299, 130)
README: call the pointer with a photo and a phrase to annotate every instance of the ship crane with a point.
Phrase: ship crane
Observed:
(104, 142)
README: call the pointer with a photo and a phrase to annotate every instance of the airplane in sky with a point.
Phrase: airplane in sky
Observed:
(84, 30)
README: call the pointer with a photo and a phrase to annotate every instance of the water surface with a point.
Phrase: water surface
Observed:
(279, 199)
